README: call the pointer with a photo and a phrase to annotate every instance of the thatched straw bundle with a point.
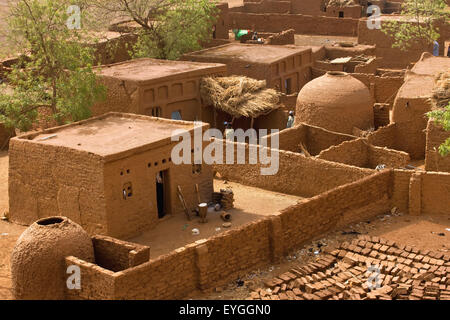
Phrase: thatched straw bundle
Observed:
(341, 3)
(441, 91)
(239, 96)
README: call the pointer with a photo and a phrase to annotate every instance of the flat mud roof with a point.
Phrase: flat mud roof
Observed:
(148, 70)
(111, 134)
(250, 52)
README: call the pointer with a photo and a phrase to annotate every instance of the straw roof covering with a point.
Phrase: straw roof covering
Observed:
(441, 92)
(341, 3)
(239, 96)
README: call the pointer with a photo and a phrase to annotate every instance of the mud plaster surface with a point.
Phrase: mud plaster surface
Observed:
(148, 69)
(251, 204)
(110, 135)
(251, 53)
(420, 232)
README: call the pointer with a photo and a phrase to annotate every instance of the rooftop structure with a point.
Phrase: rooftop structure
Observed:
(103, 174)
(160, 88)
(286, 68)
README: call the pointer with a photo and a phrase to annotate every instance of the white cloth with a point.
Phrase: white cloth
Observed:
(229, 134)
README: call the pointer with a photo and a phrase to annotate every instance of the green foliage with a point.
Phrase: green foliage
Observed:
(418, 24)
(442, 117)
(168, 28)
(55, 69)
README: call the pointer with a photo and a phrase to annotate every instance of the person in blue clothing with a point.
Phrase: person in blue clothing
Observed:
(435, 48)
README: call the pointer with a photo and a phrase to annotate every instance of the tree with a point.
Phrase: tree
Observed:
(167, 28)
(417, 25)
(442, 117)
(55, 69)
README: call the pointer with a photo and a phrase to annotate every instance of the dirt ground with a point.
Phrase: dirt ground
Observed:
(250, 204)
(421, 232)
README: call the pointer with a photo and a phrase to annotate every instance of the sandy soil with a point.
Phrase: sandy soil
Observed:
(421, 232)
(251, 204)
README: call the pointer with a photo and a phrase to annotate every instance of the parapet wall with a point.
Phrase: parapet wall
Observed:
(434, 161)
(209, 263)
(302, 24)
(360, 153)
(315, 139)
(315, 175)
(222, 258)
(383, 89)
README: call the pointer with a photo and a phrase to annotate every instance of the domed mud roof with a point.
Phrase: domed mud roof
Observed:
(335, 101)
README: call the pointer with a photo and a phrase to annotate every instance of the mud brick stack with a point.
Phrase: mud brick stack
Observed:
(366, 268)
(217, 197)
(227, 200)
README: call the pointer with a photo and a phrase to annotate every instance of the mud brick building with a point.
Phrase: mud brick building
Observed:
(102, 174)
(159, 88)
(287, 68)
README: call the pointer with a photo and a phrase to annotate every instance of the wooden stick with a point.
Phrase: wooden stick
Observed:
(198, 193)
(303, 148)
(183, 202)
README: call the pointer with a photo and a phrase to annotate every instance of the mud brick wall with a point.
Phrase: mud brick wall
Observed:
(170, 276)
(312, 7)
(333, 52)
(140, 171)
(361, 154)
(355, 201)
(394, 57)
(264, 6)
(235, 251)
(353, 153)
(117, 255)
(385, 88)
(435, 188)
(316, 175)
(389, 157)
(45, 181)
(315, 139)
(436, 135)
(381, 115)
(318, 139)
(391, 57)
(96, 282)
(400, 196)
(284, 37)
(384, 136)
(302, 24)
(421, 192)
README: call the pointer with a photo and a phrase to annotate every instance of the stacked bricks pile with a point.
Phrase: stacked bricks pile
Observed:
(368, 268)
(217, 197)
(227, 200)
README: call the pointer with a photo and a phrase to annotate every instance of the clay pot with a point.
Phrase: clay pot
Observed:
(38, 260)
(225, 216)
(337, 102)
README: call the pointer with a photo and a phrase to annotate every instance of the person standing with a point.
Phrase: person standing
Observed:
(435, 48)
(229, 131)
(290, 122)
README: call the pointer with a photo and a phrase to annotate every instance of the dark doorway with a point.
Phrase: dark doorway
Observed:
(288, 85)
(161, 193)
(341, 14)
